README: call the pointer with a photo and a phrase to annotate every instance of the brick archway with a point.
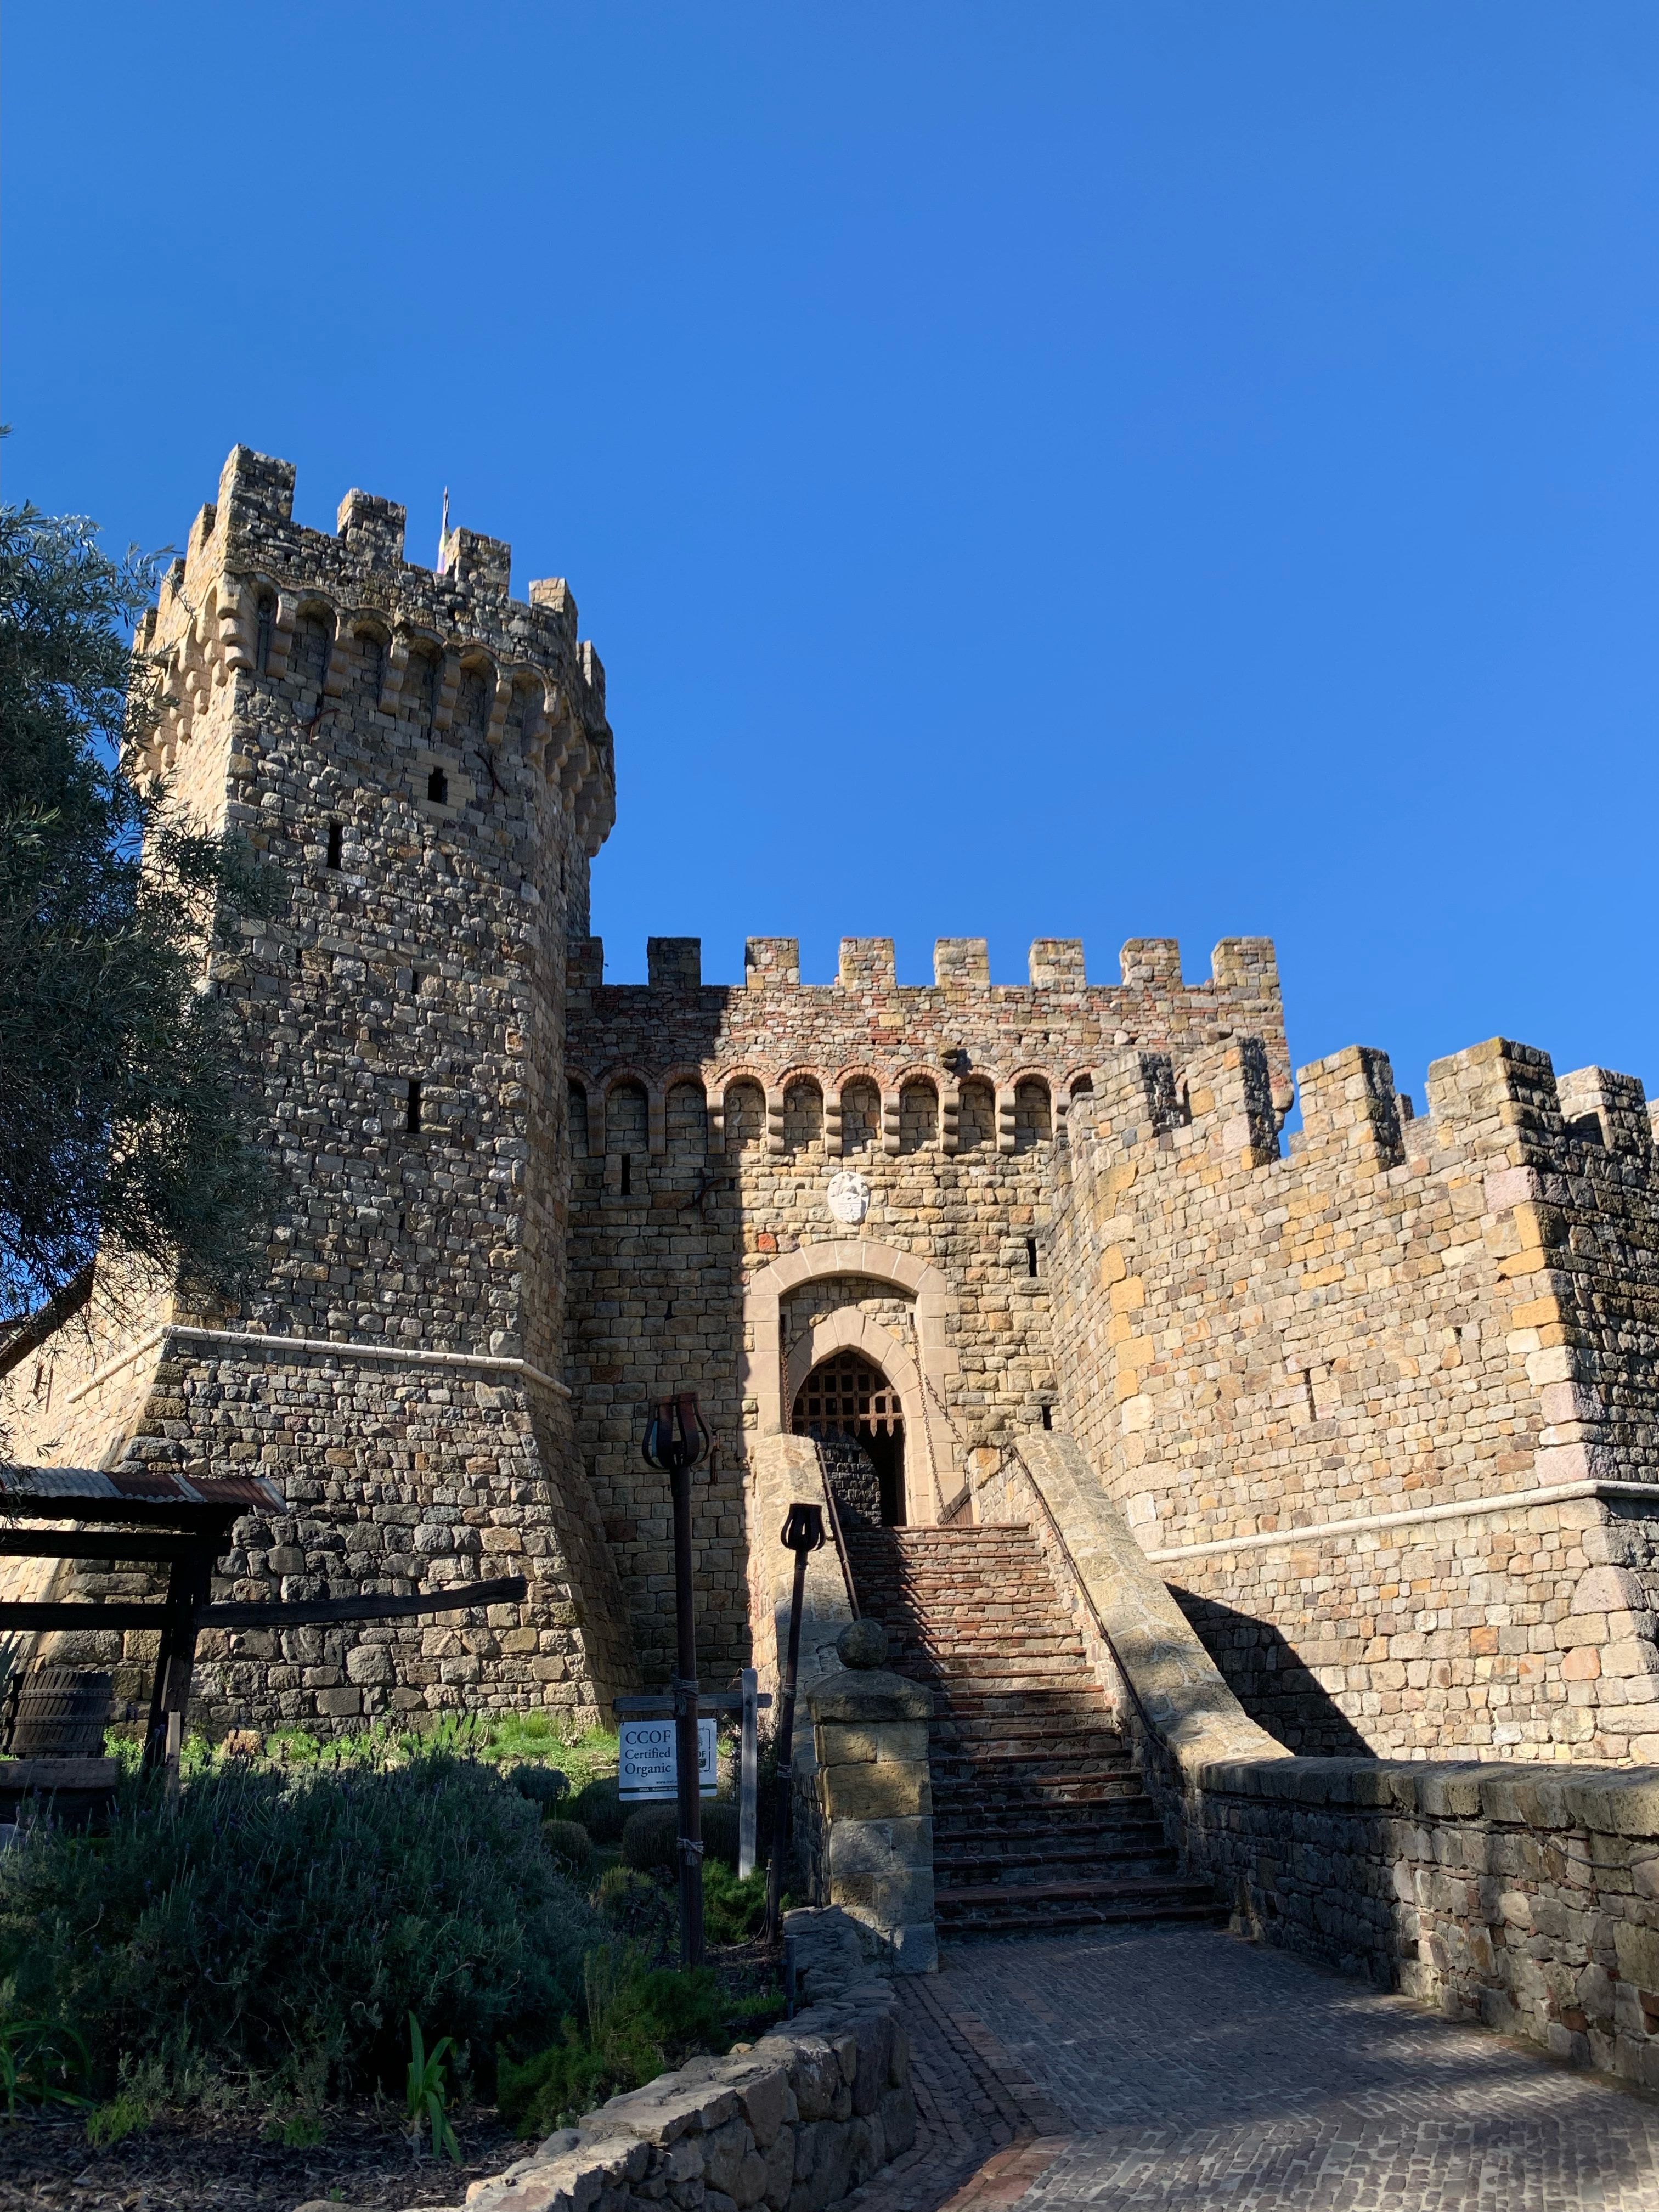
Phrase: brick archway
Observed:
(919, 1372)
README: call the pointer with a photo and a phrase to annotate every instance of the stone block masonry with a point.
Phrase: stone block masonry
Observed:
(710, 1121)
(427, 764)
(1382, 1411)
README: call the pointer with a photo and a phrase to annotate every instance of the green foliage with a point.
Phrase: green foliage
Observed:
(720, 1834)
(42, 2061)
(650, 1839)
(639, 2021)
(600, 1809)
(427, 2094)
(126, 2114)
(526, 1740)
(543, 1786)
(279, 1927)
(732, 1911)
(571, 1845)
(640, 1911)
(123, 1131)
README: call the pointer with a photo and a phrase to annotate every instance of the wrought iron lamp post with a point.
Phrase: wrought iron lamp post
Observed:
(803, 1534)
(676, 1438)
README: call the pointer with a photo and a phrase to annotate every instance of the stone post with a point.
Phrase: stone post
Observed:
(875, 1800)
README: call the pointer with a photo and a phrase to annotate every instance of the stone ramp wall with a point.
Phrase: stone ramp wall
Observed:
(794, 2122)
(1523, 1897)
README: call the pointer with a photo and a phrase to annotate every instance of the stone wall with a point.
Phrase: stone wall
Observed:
(812, 2110)
(713, 1120)
(1382, 1411)
(426, 763)
(1523, 1897)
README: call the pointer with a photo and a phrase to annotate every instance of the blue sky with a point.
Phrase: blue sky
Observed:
(1084, 470)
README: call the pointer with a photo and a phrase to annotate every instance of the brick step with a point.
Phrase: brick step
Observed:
(1015, 1883)
(972, 1737)
(998, 1674)
(1060, 1700)
(1040, 1819)
(1004, 1641)
(961, 1867)
(979, 1763)
(1029, 1827)
(1026, 1794)
(1026, 1920)
(1156, 1891)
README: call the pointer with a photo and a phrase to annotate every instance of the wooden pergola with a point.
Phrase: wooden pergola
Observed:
(151, 1517)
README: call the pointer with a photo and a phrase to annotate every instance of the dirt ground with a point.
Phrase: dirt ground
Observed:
(217, 2163)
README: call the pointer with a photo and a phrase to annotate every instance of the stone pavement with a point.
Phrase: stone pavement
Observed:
(1179, 2070)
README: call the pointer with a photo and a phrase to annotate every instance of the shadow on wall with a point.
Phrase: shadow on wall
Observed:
(1274, 1686)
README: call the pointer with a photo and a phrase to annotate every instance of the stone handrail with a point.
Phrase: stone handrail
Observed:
(1175, 1688)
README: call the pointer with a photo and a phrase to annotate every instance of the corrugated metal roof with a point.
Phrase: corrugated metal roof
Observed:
(140, 1487)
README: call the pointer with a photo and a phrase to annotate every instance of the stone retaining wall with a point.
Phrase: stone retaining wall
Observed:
(1528, 1901)
(811, 2111)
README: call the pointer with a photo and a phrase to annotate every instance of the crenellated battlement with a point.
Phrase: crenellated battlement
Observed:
(962, 1037)
(324, 620)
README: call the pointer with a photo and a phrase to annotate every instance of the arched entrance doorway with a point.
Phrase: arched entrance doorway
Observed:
(851, 1408)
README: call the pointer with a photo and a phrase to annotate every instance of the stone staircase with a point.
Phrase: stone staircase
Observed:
(1040, 1820)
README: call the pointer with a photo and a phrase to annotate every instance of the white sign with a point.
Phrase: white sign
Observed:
(648, 1767)
(848, 1197)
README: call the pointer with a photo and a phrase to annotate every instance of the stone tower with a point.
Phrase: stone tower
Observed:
(426, 764)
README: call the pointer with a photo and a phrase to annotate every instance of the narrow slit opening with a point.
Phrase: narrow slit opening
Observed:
(412, 1110)
(336, 845)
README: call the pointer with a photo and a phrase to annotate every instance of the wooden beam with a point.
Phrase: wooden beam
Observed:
(201, 1516)
(95, 1544)
(295, 1612)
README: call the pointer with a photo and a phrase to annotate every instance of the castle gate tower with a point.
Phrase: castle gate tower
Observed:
(425, 762)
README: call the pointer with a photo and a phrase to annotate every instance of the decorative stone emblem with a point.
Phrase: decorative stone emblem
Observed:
(848, 1197)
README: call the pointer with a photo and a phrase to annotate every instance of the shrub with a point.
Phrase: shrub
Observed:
(280, 1927)
(720, 1833)
(732, 1911)
(571, 1845)
(640, 2020)
(650, 1839)
(543, 1786)
(600, 1809)
(640, 1911)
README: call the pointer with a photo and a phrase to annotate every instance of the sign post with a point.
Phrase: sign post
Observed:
(749, 1774)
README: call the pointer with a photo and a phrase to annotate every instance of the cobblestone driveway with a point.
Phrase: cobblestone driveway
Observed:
(1178, 2069)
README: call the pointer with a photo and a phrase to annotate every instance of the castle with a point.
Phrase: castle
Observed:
(1379, 1404)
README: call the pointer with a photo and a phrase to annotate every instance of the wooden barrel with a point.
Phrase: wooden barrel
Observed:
(61, 1713)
